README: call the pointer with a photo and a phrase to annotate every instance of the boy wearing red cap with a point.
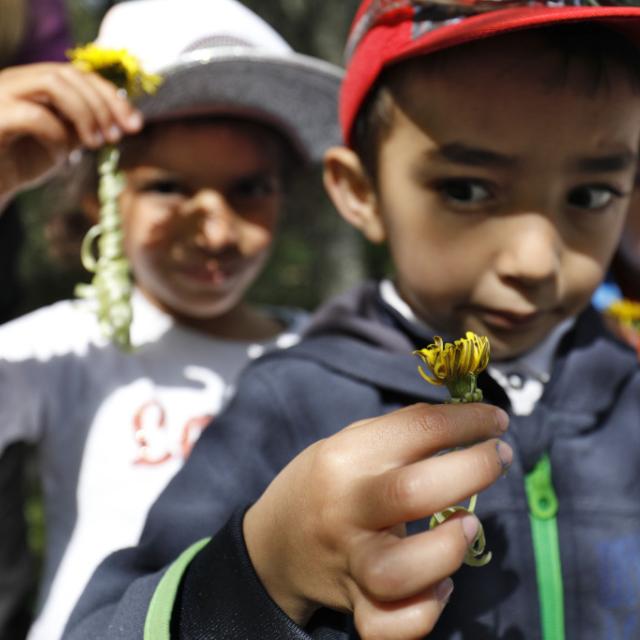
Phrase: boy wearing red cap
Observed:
(494, 151)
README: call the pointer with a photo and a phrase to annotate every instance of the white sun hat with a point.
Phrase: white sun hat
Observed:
(218, 57)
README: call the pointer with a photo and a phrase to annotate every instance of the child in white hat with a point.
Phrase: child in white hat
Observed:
(206, 175)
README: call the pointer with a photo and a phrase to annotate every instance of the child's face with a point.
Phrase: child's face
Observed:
(501, 197)
(200, 209)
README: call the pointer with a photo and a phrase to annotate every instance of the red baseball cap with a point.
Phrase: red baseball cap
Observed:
(388, 31)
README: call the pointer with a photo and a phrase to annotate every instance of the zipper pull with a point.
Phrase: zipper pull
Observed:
(543, 503)
(543, 507)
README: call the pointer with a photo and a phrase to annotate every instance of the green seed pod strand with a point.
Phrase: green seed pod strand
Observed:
(111, 287)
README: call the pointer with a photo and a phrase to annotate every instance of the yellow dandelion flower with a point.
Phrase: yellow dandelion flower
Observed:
(116, 65)
(626, 311)
(456, 365)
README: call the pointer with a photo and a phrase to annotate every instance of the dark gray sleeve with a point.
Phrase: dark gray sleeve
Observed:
(238, 606)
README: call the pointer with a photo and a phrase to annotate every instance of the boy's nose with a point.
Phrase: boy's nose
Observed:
(532, 252)
(217, 221)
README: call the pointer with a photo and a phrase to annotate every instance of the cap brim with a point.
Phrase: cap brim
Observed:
(361, 74)
(493, 23)
(296, 94)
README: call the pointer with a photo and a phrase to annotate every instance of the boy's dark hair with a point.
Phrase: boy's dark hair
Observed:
(597, 45)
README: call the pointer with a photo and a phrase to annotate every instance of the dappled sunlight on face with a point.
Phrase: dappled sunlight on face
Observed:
(200, 208)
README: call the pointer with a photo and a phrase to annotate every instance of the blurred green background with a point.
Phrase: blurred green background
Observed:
(316, 254)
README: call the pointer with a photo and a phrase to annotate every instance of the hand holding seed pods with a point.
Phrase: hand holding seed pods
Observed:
(111, 286)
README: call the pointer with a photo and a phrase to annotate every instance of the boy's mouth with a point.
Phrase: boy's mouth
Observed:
(507, 320)
(212, 273)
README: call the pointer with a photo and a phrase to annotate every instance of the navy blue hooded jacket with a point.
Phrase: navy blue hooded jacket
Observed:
(356, 363)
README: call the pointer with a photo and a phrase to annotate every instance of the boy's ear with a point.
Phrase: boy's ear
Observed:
(352, 192)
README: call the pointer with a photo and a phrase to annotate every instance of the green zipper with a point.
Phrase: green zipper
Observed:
(543, 508)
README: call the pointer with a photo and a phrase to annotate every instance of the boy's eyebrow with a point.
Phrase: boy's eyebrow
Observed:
(610, 162)
(475, 156)
(259, 174)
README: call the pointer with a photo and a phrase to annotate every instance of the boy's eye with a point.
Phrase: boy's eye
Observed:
(164, 187)
(465, 192)
(592, 197)
(257, 187)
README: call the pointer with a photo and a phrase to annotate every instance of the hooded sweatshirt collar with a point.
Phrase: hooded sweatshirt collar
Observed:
(361, 335)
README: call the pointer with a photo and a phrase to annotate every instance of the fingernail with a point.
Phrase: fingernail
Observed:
(122, 93)
(502, 419)
(114, 134)
(97, 138)
(505, 453)
(135, 120)
(74, 157)
(470, 528)
(444, 589)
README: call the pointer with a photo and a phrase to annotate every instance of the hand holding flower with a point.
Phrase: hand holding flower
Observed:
(329, 530)
(457, 365)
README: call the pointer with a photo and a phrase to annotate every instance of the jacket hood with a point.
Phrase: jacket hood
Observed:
(359, 335)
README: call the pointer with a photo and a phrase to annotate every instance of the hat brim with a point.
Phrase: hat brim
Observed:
(493, 23)
(295, 94)
(400, 44)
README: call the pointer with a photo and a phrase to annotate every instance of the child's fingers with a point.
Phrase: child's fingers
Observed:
(410, 619)
(388, 568)
(115, 114)
(33, 143)
(422, 488)
(86, 101)
(31, 119)
(96, 114)
(420, 430)
(55, 90)
(43, 84)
